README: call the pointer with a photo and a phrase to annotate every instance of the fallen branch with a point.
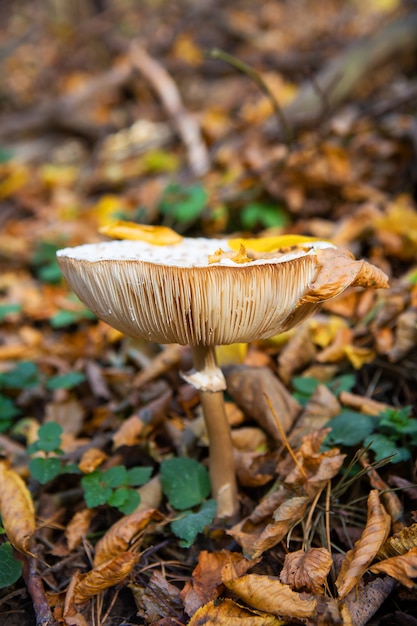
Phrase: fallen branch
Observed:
(167, 90)
(333, 85)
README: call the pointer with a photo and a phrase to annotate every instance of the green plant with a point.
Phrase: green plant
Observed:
(47, 467)
(182, 204)
(45, 264)
(10, 567)
(305, 386)
(114, 486)
(24, 376)
(263, 214)
(186, 484)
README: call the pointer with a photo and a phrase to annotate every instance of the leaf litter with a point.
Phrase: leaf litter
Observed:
(155, 130)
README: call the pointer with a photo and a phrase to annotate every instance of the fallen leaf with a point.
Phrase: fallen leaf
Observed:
(363, 553)
(206, 583)
(103, 576)
(121, 535)
(307, 570)
(225, 612)
(77, 527)
(400, 543)
(16, 509)
(91, 459)
(268, 594)
(156, 235)
(403, 568)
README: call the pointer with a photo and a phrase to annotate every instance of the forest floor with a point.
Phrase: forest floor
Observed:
(215, 119)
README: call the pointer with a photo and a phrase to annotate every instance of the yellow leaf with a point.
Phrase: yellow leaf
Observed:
(108, 208)
(91, 459)
(156, 235)
(400, 543)
(232, 354)
(16, 509)
(270, 244)
(16, 177)
(359, 356)
(364, 551)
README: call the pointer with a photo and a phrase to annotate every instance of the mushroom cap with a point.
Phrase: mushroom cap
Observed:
(172, 294)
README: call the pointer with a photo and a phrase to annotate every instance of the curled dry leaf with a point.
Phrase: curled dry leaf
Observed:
(227, 613)
(120, 536)
(402, 568)
(91, 459)
(307, 571)
(104, 576)
(363, 553)
(400, 543)
(16, 509)
(339, 270)
(77, 527)
(268, 594)
(207, 577)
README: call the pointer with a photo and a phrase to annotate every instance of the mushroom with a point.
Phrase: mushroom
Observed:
(205, 293)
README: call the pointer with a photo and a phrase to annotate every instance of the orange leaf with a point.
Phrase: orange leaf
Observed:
(269, 244)
(77, 527)
(16, 509)
(307, 571)
(402, 568)
(104, 576)
(363, 553)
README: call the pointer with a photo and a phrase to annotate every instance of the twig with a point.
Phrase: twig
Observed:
(35, 587)
(167, 90)
(259, 81)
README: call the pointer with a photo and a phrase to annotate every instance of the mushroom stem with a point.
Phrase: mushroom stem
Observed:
(221, 460)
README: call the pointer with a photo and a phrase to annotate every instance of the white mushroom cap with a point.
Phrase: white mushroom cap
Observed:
(171, 294)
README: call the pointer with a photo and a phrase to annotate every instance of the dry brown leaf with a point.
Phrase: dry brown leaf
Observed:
(268, 594)
(70, 614)
(363, 553)
(120, 536)
(77, 527)
(128, 434)
(405, 338)
(296, 354)
(225, 612)
(156, 599)
(400, 543)
(91, 459)
(16, 509)
(403, 568)
(106, 575)
(169, 357)
(256, 539)
(307, 570)
(340, 270)
(254, 469)
(206, 582)
(248, 386)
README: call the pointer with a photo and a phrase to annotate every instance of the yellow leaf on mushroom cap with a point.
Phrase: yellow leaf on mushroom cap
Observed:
(270, 244)
(156, 235)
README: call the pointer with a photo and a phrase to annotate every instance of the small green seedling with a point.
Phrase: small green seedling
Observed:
(114, 486)
(186, 484)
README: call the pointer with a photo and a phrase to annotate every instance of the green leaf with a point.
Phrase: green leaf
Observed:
(9, 309)
(265, 214)
(65, 381)
(45, 470)
(189, 525)
(24, 376)
(183, 204)
(138, 476)
(10, 568)
(349, 428)
(50, 273)
(185, 482)
(342, 383)
(8, 411)
(67, 318)
(49, 438)
(95, 492)
(115, 476)
(305, 385)
(384, 447)
(124, 499)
